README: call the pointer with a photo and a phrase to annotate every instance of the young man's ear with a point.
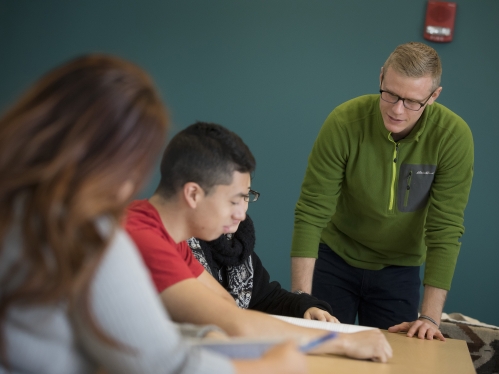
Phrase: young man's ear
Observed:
(435, 95)
(192, 193)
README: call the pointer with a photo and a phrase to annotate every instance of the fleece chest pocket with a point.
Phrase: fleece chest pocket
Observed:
(414, 186)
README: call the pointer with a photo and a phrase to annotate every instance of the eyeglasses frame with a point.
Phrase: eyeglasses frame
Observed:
(254, 193)
(403, 98)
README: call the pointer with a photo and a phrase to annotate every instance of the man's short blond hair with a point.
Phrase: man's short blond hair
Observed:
(416, 60)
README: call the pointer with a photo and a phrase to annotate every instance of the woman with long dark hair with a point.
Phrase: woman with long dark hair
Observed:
(74, 294)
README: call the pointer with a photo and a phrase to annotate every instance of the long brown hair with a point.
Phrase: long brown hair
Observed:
(66, 148)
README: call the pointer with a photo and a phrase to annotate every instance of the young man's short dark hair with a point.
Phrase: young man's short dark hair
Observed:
(204, 153)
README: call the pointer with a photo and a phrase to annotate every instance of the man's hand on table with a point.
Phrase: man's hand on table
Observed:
(423, 329)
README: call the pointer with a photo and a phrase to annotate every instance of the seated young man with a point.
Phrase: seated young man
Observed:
(232, 261)
(205, 178)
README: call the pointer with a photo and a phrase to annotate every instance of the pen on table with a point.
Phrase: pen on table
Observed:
(314, 343)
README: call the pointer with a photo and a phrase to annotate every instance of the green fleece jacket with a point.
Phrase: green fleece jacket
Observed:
(377, 202)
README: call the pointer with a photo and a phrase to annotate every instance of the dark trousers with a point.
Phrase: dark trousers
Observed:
(381, 298)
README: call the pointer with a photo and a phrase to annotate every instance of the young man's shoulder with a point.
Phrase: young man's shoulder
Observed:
(361, 104)
(444, 119)
(358, 110)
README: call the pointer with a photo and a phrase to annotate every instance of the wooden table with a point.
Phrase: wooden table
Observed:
(410, 355)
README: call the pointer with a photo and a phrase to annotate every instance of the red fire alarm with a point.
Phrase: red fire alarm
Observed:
(439, 23)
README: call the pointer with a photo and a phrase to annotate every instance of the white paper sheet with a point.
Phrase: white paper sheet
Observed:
(339, 327)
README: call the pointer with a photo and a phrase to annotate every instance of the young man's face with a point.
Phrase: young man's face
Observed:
(398, 119)
(221, 211)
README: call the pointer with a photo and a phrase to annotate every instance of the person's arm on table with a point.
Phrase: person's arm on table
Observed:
(269, 297)
(192, 302)
(319, 315)
(302, 272)
(433, 304)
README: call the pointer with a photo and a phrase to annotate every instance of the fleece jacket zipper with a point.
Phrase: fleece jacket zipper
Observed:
(394, 178)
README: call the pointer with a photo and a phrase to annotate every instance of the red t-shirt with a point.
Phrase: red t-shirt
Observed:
(168, 262)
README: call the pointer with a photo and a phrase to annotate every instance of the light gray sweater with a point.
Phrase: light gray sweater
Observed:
(50, 339)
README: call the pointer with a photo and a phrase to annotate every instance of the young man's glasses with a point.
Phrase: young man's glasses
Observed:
(408, 103)
(252, 196)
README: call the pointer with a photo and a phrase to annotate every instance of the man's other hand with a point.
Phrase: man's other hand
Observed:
(422, 329)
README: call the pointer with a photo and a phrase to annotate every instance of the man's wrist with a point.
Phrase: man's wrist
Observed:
(428, 318)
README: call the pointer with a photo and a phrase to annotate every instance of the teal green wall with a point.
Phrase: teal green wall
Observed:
(272, 71)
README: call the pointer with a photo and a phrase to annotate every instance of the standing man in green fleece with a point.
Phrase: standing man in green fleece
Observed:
(386, 186)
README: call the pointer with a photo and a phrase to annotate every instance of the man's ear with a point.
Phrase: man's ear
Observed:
(435, 95)
(380, 76)
(192, 193)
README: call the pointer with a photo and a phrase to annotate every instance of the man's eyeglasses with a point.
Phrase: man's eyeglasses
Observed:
(252, 196)
(408, 103)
